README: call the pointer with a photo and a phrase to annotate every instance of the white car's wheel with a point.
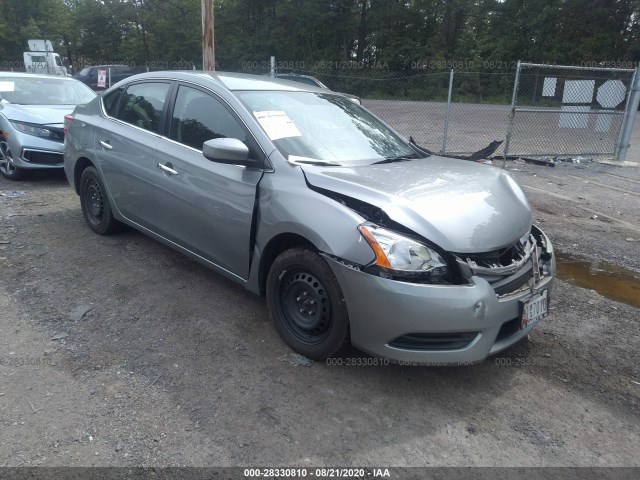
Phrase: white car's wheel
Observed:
(7, 168)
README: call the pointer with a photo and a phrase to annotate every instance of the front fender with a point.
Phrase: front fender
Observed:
(286, 205)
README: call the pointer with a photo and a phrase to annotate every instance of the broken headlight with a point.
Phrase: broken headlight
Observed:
(398, 256)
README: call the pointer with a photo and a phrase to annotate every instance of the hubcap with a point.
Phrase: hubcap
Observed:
(6, 159)
(304, 306)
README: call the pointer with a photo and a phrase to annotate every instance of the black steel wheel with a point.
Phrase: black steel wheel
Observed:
(95, 203)
(306, 304)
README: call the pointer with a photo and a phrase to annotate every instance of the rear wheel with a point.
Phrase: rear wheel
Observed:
(7, 168)
(306, 304)
(95, 203)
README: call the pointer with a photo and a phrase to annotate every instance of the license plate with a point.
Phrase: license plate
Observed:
(534, 309)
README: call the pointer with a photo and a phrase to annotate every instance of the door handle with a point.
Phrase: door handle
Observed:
(167, 169)
(106, 145)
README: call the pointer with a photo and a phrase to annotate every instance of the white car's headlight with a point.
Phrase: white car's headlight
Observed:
(403, 255)
(34, 130)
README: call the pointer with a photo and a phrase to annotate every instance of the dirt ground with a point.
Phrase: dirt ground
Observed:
(119, 351)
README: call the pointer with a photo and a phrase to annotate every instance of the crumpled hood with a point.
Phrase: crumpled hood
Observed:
(462, 206)
(38, 114)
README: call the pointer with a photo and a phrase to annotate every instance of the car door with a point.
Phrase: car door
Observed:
(125, 144)
(204, 206)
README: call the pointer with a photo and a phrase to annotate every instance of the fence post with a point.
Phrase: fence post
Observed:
(514, 99)
(446, 118)
(630, 112)
(272, 72)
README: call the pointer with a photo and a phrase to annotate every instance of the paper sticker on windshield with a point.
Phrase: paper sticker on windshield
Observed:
(7, 86)
(277, 124)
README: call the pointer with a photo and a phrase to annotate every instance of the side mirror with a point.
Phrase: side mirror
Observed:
(226, 150)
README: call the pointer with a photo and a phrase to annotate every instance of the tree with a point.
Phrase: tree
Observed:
(392, 33)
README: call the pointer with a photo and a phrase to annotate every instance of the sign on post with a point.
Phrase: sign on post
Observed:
(102, 78)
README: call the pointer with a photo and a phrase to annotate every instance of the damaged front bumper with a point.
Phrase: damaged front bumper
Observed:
(440, 324)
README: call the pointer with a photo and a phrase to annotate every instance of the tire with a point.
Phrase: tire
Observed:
(95, 203)
(7, 168)
(306, 304)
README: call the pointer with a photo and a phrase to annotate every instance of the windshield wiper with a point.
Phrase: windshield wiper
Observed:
(401, 158)
(297, 160)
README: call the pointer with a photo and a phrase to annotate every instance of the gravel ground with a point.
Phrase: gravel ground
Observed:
(118, 351)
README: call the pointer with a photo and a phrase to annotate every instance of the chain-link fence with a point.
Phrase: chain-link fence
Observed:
(567, 111)
(453, 112)
(537, 110)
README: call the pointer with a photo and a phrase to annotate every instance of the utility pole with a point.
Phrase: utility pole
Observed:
(208, 51)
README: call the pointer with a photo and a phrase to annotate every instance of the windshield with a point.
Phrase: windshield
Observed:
(36, 90)
(324, 127)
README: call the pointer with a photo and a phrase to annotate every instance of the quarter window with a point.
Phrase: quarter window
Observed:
(142, 105)
(110, 101)
(198, 117)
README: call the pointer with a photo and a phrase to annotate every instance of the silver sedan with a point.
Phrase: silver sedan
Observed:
(32, 110)
(352, 233)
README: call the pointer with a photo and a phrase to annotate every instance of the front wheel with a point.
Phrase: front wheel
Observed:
(7, 168)
(306, 304)
(95, 203)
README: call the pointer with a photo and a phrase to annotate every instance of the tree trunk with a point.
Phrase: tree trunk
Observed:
(362, 30)
(67, 45)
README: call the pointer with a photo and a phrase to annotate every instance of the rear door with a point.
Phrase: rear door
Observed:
(204, 206)
(125, 145)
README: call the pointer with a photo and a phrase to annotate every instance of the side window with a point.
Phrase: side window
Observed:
(142, 105)
(198, 117)
(110, 101)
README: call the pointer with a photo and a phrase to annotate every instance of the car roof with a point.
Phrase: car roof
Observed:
(231, 81)
(296, 75)
(109, 65)
(300, 76)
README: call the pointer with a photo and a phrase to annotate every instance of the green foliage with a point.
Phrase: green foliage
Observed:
(303, 34)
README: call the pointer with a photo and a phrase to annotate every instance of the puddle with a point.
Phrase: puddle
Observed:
(611, 281)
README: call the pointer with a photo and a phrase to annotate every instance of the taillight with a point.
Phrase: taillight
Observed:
(67, 121)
